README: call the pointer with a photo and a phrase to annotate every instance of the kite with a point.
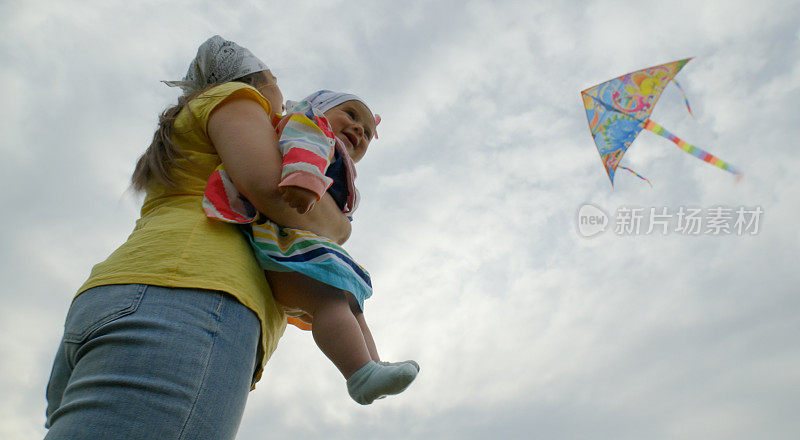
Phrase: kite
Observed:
(617, 110)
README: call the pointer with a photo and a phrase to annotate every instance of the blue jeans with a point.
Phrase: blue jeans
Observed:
(148, 362)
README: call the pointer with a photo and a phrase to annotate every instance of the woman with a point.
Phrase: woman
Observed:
(168, 335)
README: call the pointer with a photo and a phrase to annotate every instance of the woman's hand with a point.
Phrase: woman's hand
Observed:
(248, 146)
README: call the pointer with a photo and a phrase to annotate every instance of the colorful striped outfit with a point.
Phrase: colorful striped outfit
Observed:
(308, 146)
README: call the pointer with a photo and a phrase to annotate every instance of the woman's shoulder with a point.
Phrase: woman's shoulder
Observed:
(206, 102)
(228, 90)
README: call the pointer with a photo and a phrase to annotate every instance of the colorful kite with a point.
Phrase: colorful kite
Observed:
(617, 110)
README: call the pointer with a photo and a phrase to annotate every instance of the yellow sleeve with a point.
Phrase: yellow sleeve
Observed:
(204, 105)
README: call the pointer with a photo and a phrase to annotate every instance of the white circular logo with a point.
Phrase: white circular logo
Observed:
(591, 220)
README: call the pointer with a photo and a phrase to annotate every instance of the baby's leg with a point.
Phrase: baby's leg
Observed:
(373, 351)
(362, 323)
(335, 329)
(340, 331)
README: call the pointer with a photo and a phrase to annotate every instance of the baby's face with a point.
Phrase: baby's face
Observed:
(354, 124)
(272, 92)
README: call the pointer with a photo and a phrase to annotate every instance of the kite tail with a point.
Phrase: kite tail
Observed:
(685, 99)
(691, 149)
(636, 174)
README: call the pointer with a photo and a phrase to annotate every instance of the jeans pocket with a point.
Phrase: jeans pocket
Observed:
(99, 306)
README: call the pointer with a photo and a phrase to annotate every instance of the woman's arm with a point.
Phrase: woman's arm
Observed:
(248, 146)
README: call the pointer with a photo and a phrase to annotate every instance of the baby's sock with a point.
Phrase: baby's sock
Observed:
(410, 362)
(376, 380)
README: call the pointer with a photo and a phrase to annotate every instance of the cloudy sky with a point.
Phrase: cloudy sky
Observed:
(523, 327)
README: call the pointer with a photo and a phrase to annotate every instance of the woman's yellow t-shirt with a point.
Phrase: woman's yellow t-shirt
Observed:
(174, 244)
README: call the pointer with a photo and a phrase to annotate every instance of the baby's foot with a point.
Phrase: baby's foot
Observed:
(376, 380)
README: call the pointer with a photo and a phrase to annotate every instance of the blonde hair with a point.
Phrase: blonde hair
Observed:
(160, 157)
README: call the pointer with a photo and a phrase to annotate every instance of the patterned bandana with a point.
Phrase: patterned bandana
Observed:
(218, 61)
(325, 100)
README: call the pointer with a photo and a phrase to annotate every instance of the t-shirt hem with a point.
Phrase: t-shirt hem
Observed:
(268, 349)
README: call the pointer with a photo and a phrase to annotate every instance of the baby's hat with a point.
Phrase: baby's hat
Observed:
(325, 100)
(218, 61)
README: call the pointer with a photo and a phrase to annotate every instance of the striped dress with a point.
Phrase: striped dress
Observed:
(308, 145)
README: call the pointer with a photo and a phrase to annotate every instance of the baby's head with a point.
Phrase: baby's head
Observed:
(350, 118)
(354, 124)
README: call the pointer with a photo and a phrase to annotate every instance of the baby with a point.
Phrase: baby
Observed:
(315, 279)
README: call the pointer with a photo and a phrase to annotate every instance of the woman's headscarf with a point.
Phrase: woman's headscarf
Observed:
(218, 61)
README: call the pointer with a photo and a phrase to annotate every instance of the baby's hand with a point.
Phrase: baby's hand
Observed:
(298, 198)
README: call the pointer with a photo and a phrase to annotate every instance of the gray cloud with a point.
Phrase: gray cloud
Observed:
(522, 327)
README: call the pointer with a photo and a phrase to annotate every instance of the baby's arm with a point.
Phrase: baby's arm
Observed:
(307, 144)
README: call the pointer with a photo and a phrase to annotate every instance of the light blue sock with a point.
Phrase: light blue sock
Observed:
(376, 381)
(414, 363)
